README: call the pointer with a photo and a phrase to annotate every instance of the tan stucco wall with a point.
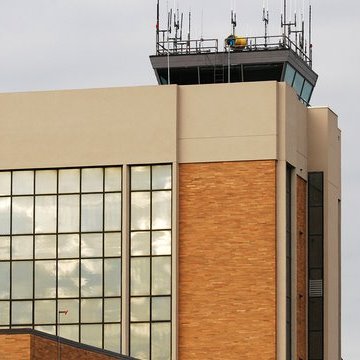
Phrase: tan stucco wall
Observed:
(325, 155)
(86, 127)
(227, 122)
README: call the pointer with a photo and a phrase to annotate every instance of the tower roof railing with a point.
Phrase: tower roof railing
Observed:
(174, 46)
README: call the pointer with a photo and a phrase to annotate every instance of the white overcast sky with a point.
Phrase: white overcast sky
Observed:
(65, 44)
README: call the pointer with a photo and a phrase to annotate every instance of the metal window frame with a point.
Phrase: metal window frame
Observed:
(151, 256)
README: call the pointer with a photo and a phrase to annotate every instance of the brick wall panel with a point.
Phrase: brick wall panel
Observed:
(15, 348)
(227, 261)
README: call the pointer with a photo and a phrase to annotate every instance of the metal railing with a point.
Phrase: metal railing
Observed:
(179, 47)
(258, 43)
(174, 46)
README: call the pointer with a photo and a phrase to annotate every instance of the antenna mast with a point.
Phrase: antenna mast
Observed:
(266, 21)
(233, 21)
(189, 33)
(310, 35)
(157, 26)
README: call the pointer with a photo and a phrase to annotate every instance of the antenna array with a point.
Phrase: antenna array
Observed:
(171, 40)
(291, 29)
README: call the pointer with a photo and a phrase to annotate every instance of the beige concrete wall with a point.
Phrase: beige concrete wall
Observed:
(291, 149)
(87, 127)
(227, 122)
(325, 155)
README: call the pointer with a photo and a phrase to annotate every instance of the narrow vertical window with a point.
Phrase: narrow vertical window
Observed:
(316, 266)
(288, 264)
(150, 261)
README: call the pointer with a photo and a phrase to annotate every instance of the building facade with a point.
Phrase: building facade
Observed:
(173, 222)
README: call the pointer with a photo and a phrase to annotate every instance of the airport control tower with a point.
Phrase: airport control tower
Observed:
(185, 61)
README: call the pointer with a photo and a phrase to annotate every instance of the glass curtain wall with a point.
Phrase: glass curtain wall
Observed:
(150, 261)
(60, 249)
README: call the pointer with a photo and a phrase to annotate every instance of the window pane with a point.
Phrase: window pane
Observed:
(112, 310)
(4, 312)
(315, 220)
(72, 306)
(92, 335)
(92, 180)
(70, 332)
(22, 247)
(69, 181)
(45, 279)
(68, 278)
(4, 248)
(306, 92)
(112, 337)
(45, 214)
(4, 216)
(140, 211)
(113, 179)
(140, 341)
(21, 312)
(140, 178)
(112, 244)
(316, 345)
(91, 310)
(298, 83)
(46, 329)
(140, 243)
(45, 247)
(140, 309)
(91, 245)
(140, 276)
(68, 216)
(161, 177)
(23, 182)
(22, 219)
(68, 246)
(4, 280)
(112, 277)
(161, 243)
(22, 279)
(316, 251)
(45, 312)
(92, 212)
(46, 182)
(161, 308)
(161, 211)
(289, 74)
(316, 319)
(91, 277)
(160, 341)
(5, 182)
(112, 212)
(161, 276)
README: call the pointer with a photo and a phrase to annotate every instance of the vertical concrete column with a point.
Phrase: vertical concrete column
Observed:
(125, 263)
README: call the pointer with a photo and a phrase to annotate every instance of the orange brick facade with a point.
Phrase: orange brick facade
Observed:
(301, 269)
(15, 347)
(227, 261)
(32, 347)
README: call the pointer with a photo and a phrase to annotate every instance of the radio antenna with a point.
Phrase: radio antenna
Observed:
(157, 26)
(310, 35)
(189, 32)
(266, 21)
(233, 21)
